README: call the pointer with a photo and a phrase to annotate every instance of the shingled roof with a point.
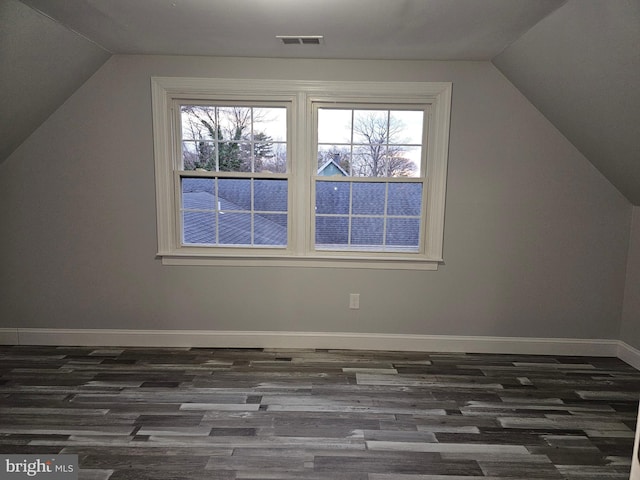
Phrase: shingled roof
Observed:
(234, 220)
(334, 202)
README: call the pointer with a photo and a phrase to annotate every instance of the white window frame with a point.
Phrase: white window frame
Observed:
(316, 105)
(301, 97)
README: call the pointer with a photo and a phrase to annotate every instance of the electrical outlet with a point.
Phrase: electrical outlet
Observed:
(354, 301)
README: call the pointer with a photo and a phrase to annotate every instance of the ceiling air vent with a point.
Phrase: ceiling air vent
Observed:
(300, 39)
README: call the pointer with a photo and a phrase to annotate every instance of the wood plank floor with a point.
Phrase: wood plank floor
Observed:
(159, 413)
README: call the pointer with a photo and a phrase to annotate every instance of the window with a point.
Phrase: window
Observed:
(346, 174)
(373, 200)
(221, 141)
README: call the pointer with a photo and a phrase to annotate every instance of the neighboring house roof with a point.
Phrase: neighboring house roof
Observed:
(365, 201)
(331, 168)
(234, 221)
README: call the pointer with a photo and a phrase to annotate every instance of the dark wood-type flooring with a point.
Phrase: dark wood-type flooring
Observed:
(159, 413)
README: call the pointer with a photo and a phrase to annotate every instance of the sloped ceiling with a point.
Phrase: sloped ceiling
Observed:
(577, 60)
(41, 64)
(581, 67)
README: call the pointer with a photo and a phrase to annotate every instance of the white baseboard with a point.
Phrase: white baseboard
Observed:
(629, 354)
(330, 340)
(635, 459)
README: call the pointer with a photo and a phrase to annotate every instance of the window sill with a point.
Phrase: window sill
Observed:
(395, 263)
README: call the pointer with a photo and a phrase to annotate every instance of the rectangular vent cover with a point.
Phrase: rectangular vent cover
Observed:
(300, 39)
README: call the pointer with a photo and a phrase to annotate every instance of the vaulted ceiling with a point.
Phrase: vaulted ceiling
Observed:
(578, 61)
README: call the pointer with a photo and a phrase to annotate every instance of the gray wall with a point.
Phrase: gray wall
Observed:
(630, 332)
(536, 239)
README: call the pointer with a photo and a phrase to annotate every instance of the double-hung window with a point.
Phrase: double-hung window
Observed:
(345, 174)
(232, 174)
(370, 178)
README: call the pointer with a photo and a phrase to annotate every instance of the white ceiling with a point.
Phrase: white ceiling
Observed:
(404, 29)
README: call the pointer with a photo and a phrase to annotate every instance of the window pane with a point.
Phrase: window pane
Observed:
(332, 230)
(334, 126)
(370, 127)
(369, 161)
(198, 122)
(368, 198)
(271, 158)
(199, 228)
(404, 161)
(234, 194)
(234, 123)
(270, 124)
(270, 195)
(270, 229)
(408, 125)
(263, 154)
(332, 197)
(404, 199)
(403, 232)
(198, 194)
(234, 228)
(234, 157)
(367, 231)
(198, 155)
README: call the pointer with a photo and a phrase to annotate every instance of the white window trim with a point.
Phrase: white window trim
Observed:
(301, 95)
